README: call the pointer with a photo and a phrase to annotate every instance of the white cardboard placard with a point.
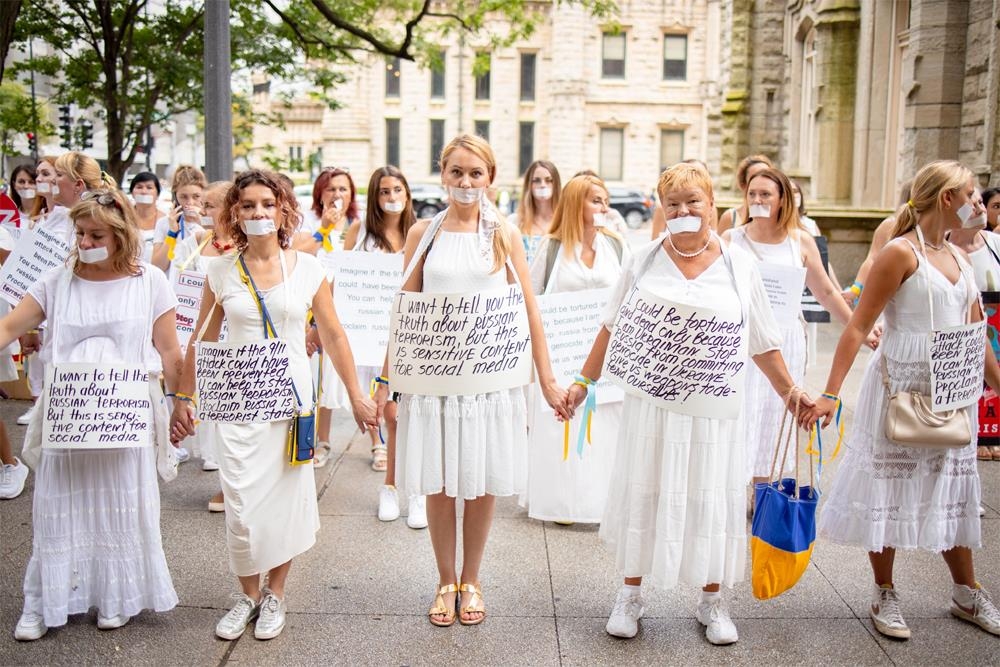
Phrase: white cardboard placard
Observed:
(784, 285)
(240, 383)
(36, 252)
(957, 366)
(364, 286)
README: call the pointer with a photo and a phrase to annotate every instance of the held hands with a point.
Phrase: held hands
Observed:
(575, 395)
(365, 413)
(313, 344)
(824, 409)
(31, 343)
(874, 337)
(181, 421)
(799, 404)
(556, 397)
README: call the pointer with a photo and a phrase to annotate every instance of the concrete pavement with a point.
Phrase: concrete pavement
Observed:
(360, 595)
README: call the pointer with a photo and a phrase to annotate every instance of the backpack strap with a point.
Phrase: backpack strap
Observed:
(552, 252)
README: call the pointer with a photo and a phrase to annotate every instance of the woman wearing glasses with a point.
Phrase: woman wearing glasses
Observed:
(96, 512)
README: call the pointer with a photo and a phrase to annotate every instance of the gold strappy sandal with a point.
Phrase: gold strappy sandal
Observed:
(475, 604)
(441, 609)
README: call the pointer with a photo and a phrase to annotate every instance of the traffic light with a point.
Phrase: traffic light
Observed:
(65, 127)
(86, 135)
(32, 143)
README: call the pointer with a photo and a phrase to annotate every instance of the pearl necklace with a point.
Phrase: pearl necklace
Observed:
(689, 255)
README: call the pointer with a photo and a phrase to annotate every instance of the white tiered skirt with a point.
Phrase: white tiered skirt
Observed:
(676, 508)
(465, 446)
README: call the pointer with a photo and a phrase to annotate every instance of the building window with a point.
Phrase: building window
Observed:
(612, 152)
(392, 78)
(528, 77)
(526, 145)
(437, 143)
(392, 141)
(613, 56)
(482, 128)
(437, 78)
(671, 147)
(675, 55)
(807, 100)
(295, 158)
(483, 85)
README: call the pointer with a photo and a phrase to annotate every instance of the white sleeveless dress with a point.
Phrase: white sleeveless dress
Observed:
(886, 495)
(765, 406)
(472, 445)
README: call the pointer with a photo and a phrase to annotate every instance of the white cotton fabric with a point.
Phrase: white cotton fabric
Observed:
(471, 445)
(8, 370)
(98, 512)
(676, 507)
(184, 248)
(762, 402)
(985, 266)
(575, 489)
(886, 495)
(271, 511)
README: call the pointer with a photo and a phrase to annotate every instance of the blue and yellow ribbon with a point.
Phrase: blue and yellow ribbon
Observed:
(322, 235)
(816, 434)
(589, 407)
(171, 242)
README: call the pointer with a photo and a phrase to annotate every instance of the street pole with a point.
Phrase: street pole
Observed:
(218, 98)
(34, 106)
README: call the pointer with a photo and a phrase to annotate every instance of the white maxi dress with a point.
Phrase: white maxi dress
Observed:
(471, 445)
(271, 510)
(676, 508)
(886, 495)
(96, 514)
(577, 488)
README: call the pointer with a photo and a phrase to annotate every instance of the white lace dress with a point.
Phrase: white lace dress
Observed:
(96, 514)
(575, 489)
(766, 406)
(885, 495)
(472, 445)
(676, 508)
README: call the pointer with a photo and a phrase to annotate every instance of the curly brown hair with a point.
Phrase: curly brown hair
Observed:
(288, 217)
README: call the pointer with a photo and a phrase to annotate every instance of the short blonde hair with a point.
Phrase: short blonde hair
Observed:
(111, 208)
(685, 176)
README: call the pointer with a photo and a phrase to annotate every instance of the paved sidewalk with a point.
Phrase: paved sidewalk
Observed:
(361, 594)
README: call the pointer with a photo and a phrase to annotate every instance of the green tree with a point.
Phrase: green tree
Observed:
(15, 116)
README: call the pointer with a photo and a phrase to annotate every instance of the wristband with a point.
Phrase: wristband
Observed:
(856, 288)
(173, 234)
(381, 379)
(583, 381)
(185, 397)
(31, 331)
(832, 397)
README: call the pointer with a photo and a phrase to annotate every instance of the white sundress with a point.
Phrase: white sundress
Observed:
(471, 445)
(575, 489)
(676, 508)
(886, 495)
(763, 406)
(96, 514)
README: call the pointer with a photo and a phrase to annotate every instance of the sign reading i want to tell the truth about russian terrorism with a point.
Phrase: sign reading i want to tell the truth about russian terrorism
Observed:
(690, 359)
(454, 344)
(241, 383)
(96, 406)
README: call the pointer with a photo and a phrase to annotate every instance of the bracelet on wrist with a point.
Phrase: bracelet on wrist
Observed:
(832, 397)
(583, 381)
(186, 398)
(173, 234)
(381, 379)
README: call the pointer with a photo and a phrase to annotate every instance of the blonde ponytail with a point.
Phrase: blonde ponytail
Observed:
(929, 185)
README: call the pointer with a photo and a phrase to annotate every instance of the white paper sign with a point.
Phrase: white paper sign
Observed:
(36, 252)
(13, 229)
(96, 406)
(364, 286)
(240, 383)
(691, 360)
(188, 286)
(784, 285)
(454, 344)
(571, 321)
(957, 366)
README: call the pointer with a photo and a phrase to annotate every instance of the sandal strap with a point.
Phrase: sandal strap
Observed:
(476, 602)
(439, 608)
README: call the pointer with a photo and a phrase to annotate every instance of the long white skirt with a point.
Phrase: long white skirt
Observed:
(575, 489)
(271, 510)
(96, 523)
(676, 509)
(333, 394)
(466, 446)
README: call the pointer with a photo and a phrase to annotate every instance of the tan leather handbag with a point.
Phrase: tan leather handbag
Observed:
(910, 421)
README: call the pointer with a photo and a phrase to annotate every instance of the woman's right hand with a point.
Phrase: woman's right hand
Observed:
(174, 219)
(575, 395)
(30, 343)
(181, 421)
(381, 398)
(332, 217)
(824, 409)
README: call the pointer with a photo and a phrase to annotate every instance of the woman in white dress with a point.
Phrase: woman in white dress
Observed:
(579, 253)
(469, 446)
(540, 194)
(86, 551)
(887, 496)
(271, 510)
(178, 236)
(676, 509)
(748, 167)
(145, 190)
(773, 236)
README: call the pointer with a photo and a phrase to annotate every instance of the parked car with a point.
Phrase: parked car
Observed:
(633, 205)
(428, 199)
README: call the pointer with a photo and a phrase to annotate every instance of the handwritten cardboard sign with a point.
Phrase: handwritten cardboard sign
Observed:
(454, 344)
(957, 366)
(96, 406)
(571, 321)
(364, 286)
(240, 383)
(784, 285)
(188, 286)
(691, 360)
(37, 251)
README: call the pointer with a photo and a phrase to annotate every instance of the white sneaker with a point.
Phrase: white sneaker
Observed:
(12, 478)
(209, 466)
(416, 516)
(719, 627)
(25, 419)
(30, 627)
(982, 511)
(182, 454)
(111, 622)
(232, 625)
(982, 611)
(271, 621)
(886, 614)
(625, 615)
(388, 503)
